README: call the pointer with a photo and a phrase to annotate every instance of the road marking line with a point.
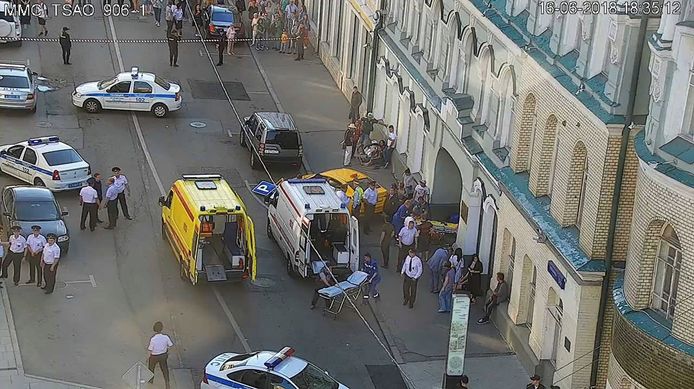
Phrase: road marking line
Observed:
(150, 162)
(233, 322)
(91, 278)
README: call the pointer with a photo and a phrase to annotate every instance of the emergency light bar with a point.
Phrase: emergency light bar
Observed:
(279, 357)
(201, 176)
(135, 72)
(43, 140)
(307, 181)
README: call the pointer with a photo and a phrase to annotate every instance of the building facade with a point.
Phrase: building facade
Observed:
(515, 115)
(654, 315)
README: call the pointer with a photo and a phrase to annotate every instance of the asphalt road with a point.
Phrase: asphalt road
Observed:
(92, 333)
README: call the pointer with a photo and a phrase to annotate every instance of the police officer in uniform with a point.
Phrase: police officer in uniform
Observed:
(173, 37)
(49, 262)
(111, 204)
(121, 183)
(18, 245)
(35, 244)
(96, 178)
(89, 199)
(221, 47)
(65, 45)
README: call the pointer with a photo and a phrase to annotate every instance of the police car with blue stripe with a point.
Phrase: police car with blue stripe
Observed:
(134, 91)
(45, 161)
(265, 370)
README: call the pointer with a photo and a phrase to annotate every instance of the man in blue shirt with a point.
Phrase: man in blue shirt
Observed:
(370, 199)
(111, 203)
(435, 265)
(370, 267)
(400, 215)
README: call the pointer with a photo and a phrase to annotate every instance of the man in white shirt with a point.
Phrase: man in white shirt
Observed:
(390, 145)
(412, 270)
(406, 239)
(421, 192)
(18, 245)
(49, 262)
(344, 199)
(159, 352)
(121, 183)
(111, 203)
(89, 200)
(370, 199)
(35, 243)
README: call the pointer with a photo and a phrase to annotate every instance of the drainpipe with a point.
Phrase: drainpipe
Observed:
(626, 130)
(320, 27)
(372, 66)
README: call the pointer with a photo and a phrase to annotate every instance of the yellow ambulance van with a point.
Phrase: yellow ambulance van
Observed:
(208, 228)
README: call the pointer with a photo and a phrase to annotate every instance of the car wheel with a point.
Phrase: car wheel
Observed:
(242, 141)
(254, 160)
(290, 268)
(39, 182)
(182, 270)
(159, 110)
(92, 105)
(269, 231)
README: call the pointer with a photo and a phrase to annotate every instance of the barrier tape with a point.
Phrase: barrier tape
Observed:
(141, 41)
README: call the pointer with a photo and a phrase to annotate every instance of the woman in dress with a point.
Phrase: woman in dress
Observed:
(475, 270)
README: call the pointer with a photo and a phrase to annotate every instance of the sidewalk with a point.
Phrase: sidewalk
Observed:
(418, 338)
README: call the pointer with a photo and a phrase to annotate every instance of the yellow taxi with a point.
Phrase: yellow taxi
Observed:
(208, 229)
(339, 177)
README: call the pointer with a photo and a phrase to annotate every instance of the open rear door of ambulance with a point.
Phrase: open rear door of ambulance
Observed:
(354, 244)
(251, 265)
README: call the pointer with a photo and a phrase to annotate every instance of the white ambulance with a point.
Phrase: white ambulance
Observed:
(309, 223)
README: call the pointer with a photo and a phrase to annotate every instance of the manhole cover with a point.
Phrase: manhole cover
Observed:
(262, 282)
(198, 124)
(44, 124)
(213, 90)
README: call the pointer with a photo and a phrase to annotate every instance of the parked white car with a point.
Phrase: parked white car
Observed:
(134, 91)
(10, 26)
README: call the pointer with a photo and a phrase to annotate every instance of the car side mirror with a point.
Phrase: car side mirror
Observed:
(6, 214)
(34, 74)
(65, 212)
(162, 201)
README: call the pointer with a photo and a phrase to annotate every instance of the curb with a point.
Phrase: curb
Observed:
(12, 330)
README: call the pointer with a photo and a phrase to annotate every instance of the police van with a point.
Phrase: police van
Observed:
(309, 223)
(209, 230)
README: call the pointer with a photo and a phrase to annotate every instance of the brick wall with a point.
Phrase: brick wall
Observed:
(660, 200)
(649, 361)
(570, 122)
(574, 186)
(523, 129)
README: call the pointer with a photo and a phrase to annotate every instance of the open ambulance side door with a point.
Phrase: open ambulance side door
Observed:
(251, 262)
(354, 244)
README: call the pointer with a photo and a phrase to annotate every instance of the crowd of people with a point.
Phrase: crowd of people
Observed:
(42, 252)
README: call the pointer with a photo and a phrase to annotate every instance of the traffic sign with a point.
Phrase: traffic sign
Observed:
(264, 188)
(137, 376)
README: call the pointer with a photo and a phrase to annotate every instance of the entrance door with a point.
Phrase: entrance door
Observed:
(556, 338)
(531, 299)
(354, 244)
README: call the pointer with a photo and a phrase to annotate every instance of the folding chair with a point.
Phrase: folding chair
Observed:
(336, 295)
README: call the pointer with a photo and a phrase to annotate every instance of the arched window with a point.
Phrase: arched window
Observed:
(667, 273)
(511, 261)
(576, 186)
(582, 196)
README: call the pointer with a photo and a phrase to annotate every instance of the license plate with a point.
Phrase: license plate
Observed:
(75, 185)
(11, 97)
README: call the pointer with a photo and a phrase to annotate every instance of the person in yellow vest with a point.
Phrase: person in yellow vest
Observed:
(284, 47)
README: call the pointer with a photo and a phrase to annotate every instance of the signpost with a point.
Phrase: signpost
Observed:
(264, 188)
(137, 376)
(457, 341)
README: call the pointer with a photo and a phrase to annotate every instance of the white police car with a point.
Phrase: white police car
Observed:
(132, 91)
(45, 162)
(265, 370)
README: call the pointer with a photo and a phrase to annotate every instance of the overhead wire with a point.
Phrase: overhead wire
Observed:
(308, 240)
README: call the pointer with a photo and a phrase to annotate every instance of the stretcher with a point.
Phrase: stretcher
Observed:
(336, 295)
